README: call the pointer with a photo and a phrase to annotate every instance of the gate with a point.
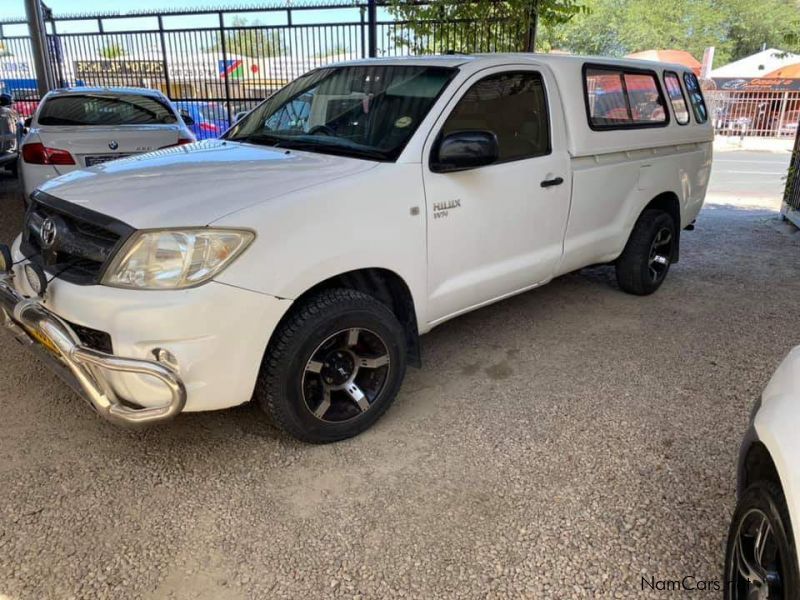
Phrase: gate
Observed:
(215, 63)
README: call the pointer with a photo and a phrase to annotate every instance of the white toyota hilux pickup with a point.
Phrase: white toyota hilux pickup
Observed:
(297, 260)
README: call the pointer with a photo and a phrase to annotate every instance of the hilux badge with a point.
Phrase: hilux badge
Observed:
(113, 144)
(48, 233)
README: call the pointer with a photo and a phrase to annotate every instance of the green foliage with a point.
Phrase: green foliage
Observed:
(112, 51)
(487, 25)
(736, 28)
(254, 43)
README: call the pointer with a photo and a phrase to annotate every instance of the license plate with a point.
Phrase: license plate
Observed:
(96, 160)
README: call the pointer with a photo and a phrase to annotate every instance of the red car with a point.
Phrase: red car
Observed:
(25, 102)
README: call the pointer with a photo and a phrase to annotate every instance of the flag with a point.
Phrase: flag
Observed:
(231, 68)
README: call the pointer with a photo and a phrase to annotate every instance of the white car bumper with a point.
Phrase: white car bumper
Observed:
(216, 333)
(33, 176)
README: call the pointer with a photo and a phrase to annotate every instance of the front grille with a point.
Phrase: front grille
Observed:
(83, 241)
(93, 338)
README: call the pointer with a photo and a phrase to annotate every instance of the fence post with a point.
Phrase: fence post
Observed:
(55, 52)
(224, 44)
(363, 33)
(44, 76)
(782, 113)
(164, 56)
(372, 18)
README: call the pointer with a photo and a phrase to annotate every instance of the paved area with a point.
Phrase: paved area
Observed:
(750, 173)
(562, 444)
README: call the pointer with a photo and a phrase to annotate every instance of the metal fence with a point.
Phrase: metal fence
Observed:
(791, 195)
(214, 63)
(747, 113)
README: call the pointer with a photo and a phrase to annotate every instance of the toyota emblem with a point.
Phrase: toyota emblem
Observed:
(113, 144)
(48, 233)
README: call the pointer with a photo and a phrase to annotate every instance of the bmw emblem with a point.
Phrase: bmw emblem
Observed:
(48, 233)
(113, 144)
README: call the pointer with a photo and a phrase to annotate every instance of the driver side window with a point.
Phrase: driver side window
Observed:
(511, 105)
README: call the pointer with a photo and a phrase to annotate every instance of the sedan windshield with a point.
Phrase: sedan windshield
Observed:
(367, 111)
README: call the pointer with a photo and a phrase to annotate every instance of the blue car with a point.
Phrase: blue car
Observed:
(210, 118)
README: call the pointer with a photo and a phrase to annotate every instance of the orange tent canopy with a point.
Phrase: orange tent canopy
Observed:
(787, 72)
(672, 56)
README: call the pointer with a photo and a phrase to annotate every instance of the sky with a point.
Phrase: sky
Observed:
(15, 9)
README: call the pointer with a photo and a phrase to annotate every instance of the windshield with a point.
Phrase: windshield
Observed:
(367, 111)
(100, 109)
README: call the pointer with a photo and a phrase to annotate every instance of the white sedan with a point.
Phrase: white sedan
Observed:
(761, 559)
(80, 127)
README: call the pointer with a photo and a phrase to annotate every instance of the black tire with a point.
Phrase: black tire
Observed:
(286, 379)
(637, 273)
(762, 502)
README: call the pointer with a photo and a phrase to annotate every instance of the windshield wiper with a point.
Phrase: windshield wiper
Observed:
(261, 138)
(316, 145)
(332, 147)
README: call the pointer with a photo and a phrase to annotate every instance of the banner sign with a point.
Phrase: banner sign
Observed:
(759, 84)
(118, 69)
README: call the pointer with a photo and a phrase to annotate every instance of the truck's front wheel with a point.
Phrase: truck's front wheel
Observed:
(645, 261)
(333, 367)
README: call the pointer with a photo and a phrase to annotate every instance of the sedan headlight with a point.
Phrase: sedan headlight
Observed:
(175, 259)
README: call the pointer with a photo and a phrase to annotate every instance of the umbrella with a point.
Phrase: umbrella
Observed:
(787, 72)
(680, 57)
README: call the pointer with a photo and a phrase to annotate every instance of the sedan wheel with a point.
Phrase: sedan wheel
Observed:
(761, 561)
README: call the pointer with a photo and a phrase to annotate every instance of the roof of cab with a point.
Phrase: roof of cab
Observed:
(479, 61)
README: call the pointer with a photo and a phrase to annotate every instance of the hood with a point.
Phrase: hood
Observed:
(197, 184)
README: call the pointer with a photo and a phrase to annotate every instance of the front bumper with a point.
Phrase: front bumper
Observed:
(83, 368)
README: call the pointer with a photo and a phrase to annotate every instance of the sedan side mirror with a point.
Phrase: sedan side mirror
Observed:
(27, 123)
(187, 118)
(240, 115)
(462, 150)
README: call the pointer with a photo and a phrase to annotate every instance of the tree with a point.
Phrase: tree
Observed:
(112, 50)
(736, 28)
(477, 26)
(254, 43)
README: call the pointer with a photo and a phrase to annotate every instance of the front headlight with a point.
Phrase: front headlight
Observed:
(175, 259)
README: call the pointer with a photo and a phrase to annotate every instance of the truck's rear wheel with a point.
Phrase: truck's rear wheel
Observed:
(643, 265)
(333, 367)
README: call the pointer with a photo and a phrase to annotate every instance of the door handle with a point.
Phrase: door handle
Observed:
(551, 182)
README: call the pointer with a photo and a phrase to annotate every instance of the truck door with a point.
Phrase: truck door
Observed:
(497, 229)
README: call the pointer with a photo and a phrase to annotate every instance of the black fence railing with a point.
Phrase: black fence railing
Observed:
(215, 63)
(791, 194)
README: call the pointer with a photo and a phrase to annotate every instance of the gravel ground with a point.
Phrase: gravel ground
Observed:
(563, 443)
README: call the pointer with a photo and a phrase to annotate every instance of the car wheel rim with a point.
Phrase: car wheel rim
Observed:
(660, 254)
(346, 375)
(756, 561)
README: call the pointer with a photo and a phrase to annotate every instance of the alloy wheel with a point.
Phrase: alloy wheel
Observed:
(660, 254)
(756, 559)
(345, 375)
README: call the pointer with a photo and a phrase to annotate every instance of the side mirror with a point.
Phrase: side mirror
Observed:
(186, 117)
(462, 150)
(240, 115)
(27, 122)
